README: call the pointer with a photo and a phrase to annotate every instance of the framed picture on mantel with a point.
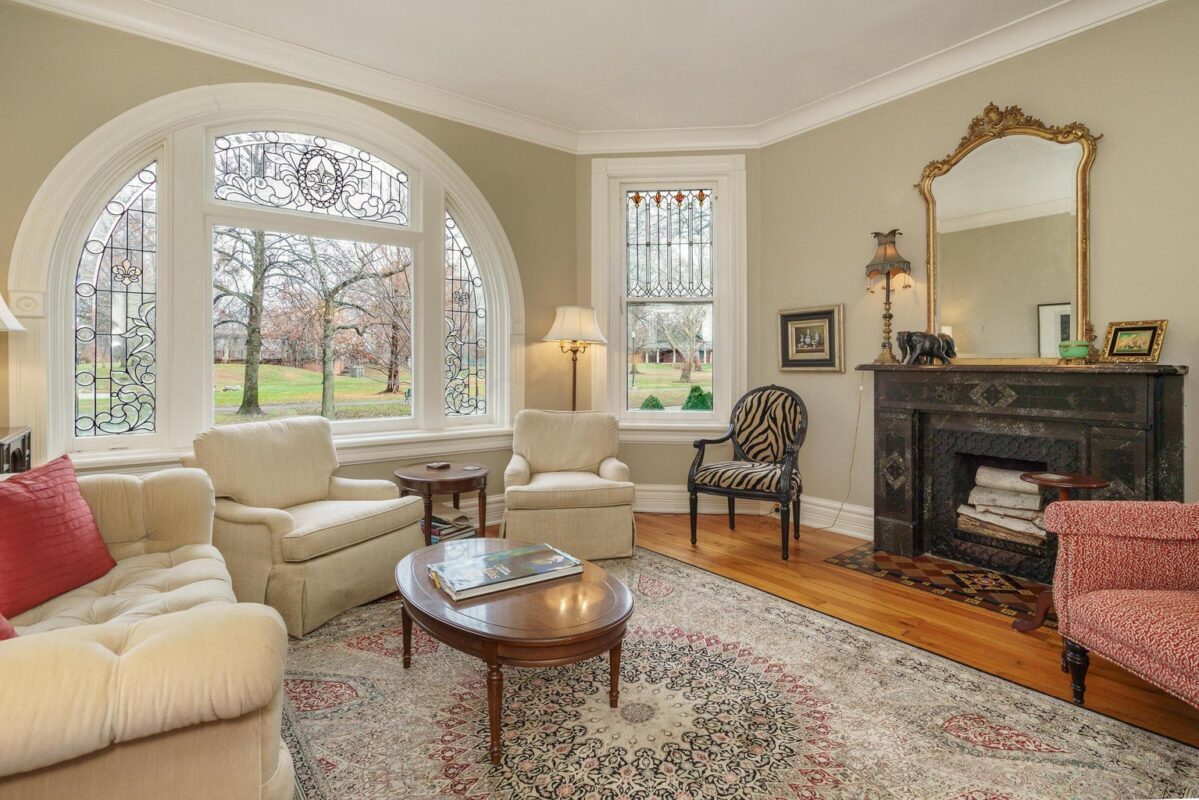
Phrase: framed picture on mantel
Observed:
(812, 339)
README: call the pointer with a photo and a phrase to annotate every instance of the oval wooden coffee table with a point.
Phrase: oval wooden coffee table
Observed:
(549, 624)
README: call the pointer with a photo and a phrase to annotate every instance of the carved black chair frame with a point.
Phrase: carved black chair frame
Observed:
(782, 496)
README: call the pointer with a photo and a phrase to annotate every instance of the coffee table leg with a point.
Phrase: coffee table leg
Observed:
(614, 676)
(495, 699)
(482, 512)
(406, 622)
(428, 518)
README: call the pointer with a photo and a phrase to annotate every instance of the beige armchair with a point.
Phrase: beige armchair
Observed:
(150, 681)
(565, 486)
(294, 535)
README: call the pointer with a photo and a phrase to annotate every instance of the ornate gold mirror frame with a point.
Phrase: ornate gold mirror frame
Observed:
(996, 123)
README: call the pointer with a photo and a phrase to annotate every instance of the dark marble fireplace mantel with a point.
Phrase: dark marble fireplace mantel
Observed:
(934, 425)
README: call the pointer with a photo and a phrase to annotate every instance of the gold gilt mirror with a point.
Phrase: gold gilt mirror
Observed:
(1007, 229)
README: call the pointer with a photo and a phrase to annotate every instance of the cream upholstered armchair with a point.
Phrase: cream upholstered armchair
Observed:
(294, 535)
(565, 486)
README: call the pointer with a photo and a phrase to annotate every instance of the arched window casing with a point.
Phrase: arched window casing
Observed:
(252, 251)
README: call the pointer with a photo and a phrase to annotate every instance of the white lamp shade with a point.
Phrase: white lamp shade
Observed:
(8, 320)
(575, 324)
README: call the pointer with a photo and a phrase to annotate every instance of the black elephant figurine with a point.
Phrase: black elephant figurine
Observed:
(918, 347)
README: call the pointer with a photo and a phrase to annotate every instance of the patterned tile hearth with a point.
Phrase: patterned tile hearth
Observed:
(1006, 594)
(726, 692)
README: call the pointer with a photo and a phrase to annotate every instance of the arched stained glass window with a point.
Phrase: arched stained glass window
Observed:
(298, 172)
(465, 327)
(115, 290)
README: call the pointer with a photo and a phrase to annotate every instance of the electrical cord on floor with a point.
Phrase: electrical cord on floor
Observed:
(853, 452)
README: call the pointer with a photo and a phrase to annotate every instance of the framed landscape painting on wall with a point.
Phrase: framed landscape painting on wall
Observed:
(812, 339)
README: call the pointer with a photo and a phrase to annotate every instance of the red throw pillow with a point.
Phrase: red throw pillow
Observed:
(49, 542)
(7, 631)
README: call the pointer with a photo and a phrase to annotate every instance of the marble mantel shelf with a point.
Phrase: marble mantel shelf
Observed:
(1082, 369)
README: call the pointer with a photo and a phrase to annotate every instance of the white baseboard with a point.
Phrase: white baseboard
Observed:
(664, 498)
(816, 512)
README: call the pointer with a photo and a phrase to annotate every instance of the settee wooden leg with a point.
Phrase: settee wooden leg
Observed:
(1077, 658)
(795, 522)
(732, 514)
(1065, 664)
(784, 514)
(694, 512)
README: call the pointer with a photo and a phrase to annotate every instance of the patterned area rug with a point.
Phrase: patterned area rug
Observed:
(1011, 596)
(726, 692)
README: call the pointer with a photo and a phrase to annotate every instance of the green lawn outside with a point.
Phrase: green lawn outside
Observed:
(662, 381)
(292, 392)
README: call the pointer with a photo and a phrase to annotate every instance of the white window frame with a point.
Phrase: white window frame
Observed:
(174, 130)
(611, 180)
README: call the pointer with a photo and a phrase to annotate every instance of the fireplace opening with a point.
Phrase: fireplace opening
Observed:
(993, 507)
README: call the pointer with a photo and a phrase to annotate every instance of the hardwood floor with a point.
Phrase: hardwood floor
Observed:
(980, 638)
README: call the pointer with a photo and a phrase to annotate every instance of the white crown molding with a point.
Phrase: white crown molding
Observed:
(147, 18)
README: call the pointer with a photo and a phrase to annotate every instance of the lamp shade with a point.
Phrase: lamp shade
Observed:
(575, 324)
(887, 260)
(8, 320)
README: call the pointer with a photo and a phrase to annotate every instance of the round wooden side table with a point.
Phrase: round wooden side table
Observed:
(1064, 483)
(455, 479)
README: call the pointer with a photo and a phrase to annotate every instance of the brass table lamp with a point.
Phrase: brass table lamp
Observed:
(888, 264)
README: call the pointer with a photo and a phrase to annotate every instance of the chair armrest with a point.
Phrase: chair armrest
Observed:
(613, 469)
(700, 444)
(277, 521)
(518, 472)
(74, 691)
(1122, 545)
(357, 489)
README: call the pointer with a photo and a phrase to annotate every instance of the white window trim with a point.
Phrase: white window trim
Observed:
(611, 178)
(46, 252)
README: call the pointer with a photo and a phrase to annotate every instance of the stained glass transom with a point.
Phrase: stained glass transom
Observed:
(115, 291)
(465, 327)
(669, 243)
(298, 172)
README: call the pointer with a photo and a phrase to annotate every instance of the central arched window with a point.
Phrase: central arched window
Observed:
(237, 272)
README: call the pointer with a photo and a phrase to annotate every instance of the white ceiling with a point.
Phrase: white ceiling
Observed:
(618, 74)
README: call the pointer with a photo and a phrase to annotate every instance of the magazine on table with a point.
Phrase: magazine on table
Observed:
(492, 572)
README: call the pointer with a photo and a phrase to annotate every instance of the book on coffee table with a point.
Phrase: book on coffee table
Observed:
(493, 572)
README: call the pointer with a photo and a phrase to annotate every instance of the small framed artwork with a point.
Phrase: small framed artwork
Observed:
(1134, 342)
(812, 339)
(1053, 327)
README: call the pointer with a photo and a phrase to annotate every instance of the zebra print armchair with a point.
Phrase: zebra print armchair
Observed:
(767, 428)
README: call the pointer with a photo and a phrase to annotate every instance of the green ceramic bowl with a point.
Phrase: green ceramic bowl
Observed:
(1074, 349)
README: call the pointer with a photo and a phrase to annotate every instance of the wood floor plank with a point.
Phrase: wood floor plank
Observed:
(973, 636)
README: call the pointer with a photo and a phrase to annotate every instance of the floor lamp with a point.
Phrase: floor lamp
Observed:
(575, 329)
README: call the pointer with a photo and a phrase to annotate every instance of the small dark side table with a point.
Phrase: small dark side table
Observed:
(456, 479)
(1064, 483)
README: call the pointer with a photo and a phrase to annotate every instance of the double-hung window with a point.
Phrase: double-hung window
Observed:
(668, 255)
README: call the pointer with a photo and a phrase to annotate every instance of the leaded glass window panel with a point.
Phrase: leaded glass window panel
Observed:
(669, 300)
(669, 243)
(298, 172)
(115, 291)
(465, 327)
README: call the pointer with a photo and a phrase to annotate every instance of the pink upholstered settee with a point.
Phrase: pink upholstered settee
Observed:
(1127, 588)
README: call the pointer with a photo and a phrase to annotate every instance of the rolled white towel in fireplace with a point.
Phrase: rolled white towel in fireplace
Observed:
(1005, 479)
(981, 496)
(1017, 513)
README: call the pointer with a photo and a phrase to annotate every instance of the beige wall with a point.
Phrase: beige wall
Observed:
(1133, 81)
(813, 199)
(991, 279)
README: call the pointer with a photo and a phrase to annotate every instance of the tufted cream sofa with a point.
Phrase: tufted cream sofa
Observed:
(150, 681)
(566, 487)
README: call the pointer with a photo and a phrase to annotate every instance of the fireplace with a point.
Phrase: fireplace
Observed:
(934, 428)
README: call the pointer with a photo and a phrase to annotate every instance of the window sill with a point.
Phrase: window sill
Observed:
(361, 448)
(669, 432)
